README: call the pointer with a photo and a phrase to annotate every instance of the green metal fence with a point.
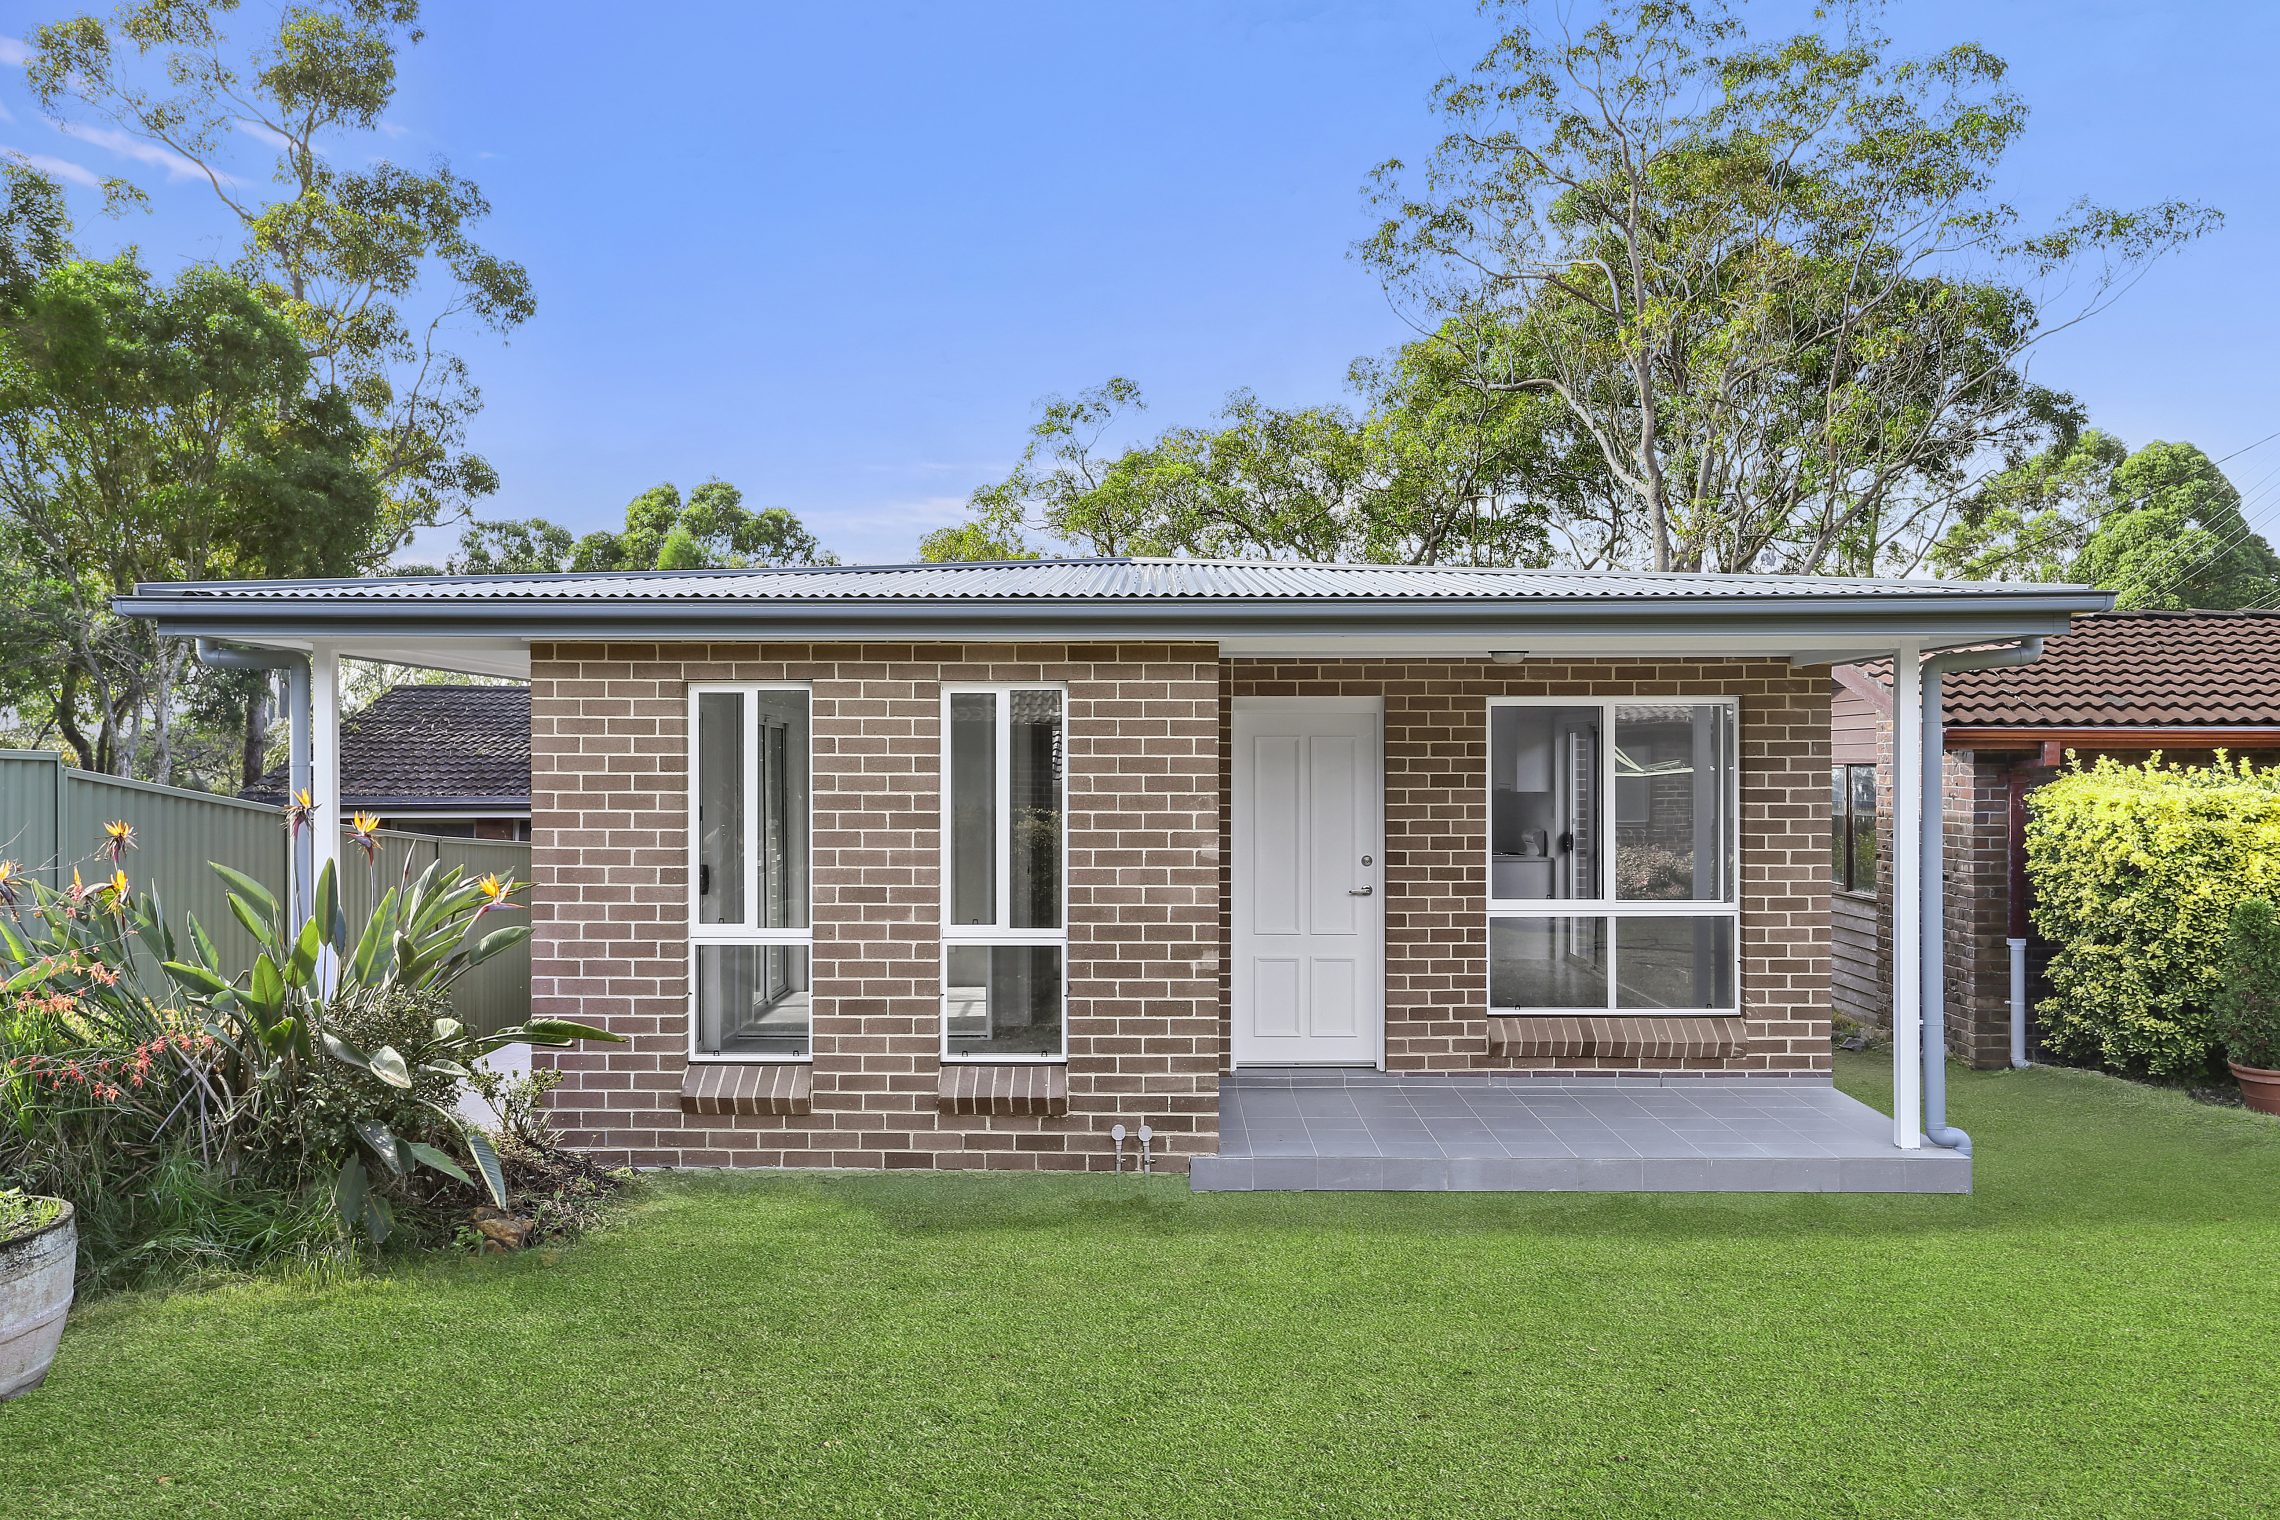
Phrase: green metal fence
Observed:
(52, 817)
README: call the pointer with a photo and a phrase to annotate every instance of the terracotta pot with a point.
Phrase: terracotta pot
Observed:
(2259, 1087)
(35, 1290)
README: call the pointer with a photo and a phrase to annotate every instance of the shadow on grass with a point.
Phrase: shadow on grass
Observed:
(2056, 1150)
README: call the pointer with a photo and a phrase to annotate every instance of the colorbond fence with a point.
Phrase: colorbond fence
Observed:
(52, 817)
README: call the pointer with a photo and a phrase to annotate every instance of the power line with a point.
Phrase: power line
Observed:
(2260, 443)
(2179, 574)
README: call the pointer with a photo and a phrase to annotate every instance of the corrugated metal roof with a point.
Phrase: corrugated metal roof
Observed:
(1085, 580)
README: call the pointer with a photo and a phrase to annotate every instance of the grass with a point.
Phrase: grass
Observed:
(2095, 1332)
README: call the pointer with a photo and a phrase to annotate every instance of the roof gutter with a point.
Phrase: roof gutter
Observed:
(1931, 883)
(2120, 736)
(1861, 618)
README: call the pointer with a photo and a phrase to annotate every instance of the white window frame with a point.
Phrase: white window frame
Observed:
(701, 934)
(997, 934)
(1607, 907)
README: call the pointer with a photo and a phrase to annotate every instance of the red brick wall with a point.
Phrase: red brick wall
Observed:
(1975, 840)
(1975, 832)
(1436, 762)
(1977, 786)
(610, 850)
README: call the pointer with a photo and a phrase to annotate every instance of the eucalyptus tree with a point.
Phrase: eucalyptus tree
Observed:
(153, 431)
(373, 264)
(1423, 473)
(1773, 283)
(710, 529)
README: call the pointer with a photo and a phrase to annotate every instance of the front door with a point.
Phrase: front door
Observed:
(1308, 916)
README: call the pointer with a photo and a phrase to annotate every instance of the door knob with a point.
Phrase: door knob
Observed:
(1359, 891)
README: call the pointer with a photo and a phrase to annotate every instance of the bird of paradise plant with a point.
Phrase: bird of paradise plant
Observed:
(253, 1061)
(420, 937)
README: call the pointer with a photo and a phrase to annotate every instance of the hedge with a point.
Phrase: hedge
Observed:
(2136, 871)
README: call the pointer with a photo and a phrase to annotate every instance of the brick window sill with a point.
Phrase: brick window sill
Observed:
(748, 1087)
(1652, 1037)
(1028, 1087)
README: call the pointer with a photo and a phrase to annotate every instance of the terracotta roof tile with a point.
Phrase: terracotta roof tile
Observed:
(2129, 669)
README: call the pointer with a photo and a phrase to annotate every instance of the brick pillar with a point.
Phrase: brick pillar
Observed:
(1976, 805)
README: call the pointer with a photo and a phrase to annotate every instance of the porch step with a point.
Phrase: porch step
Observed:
(1287, 1131)
(1925, 1171)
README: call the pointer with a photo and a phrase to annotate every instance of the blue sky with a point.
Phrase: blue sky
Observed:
(836, 254)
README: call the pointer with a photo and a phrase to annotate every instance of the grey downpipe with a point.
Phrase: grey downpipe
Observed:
(299, 772)
(1932, 887)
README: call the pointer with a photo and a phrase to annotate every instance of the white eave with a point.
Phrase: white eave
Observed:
(487, 624)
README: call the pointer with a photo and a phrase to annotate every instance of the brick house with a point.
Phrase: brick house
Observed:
(2130, 685)
(972, 865)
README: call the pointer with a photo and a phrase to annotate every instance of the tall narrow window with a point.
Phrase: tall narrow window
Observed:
(1852, 820)
(749, 932)
(1611, 856)
(1004, 933)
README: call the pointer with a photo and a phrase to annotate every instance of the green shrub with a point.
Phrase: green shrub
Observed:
(207, 1114)
(2137, 870)
(2248, 994)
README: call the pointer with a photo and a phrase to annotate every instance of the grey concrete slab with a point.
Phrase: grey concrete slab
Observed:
(1377, 1131)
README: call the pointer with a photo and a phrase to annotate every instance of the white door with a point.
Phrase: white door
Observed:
(1308, 918)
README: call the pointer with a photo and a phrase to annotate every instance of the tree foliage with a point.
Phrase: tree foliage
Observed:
(1772, 281)
(151, 431)
(1426, 472)
(2174, 537)
(712, 529)
(2161, 528)
(347, 252)
(1685, 298)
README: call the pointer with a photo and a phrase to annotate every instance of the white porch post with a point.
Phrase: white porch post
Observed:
(324, 759)
(1907, 897)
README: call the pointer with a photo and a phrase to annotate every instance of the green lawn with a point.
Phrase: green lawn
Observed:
(2096, 1332)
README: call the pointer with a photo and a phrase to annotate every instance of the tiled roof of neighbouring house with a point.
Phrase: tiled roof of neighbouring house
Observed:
(431, 746)
(2129, 669)
(1085, 580)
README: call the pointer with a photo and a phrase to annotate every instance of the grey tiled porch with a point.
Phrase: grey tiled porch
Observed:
(1373, 1131)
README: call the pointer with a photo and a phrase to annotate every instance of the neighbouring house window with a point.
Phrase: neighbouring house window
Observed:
(1612, 856)
(749, 934)
(1004, 935)
(1852, 824)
